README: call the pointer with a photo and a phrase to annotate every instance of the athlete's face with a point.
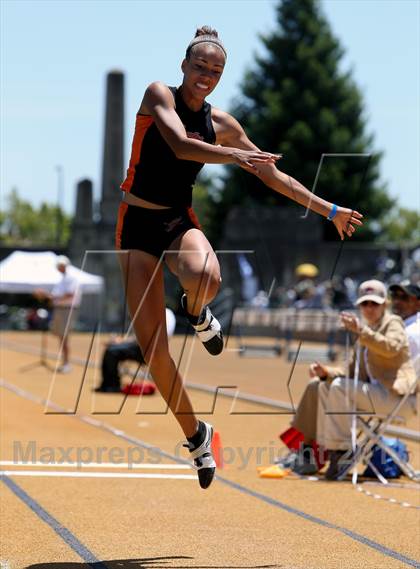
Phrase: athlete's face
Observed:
(203, 69)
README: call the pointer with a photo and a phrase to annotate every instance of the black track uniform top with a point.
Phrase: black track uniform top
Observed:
(155, 174)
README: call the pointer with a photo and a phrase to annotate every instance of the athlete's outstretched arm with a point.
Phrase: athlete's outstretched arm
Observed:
(230, 132)
(158, 102)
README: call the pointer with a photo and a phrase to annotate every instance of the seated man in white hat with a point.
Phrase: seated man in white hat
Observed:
(385, 374)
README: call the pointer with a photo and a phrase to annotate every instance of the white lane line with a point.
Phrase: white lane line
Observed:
(131, 465)
(64, 474)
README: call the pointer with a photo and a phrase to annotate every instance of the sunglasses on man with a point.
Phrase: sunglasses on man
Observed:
(399, 296)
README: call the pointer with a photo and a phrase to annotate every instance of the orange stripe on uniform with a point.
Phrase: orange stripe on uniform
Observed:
(193, 217)
(118, 231)
(142, 124)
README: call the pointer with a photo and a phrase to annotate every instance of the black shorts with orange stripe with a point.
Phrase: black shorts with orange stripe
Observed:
(152, 230)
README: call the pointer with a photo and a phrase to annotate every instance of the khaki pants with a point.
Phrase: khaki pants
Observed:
(333, 431)
(305, 419)
(63, 320)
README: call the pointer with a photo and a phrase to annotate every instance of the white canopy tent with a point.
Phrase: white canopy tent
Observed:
(23, 272)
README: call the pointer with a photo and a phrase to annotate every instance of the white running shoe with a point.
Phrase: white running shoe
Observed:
(208, 330)
(64, 368)
(203, 457)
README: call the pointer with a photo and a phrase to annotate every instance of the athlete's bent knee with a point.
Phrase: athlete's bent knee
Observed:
(204, 283)
(212, 285)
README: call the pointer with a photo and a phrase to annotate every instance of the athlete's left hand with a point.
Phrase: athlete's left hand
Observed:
(345, 220)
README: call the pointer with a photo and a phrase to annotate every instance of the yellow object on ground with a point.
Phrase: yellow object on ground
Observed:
(273, 471)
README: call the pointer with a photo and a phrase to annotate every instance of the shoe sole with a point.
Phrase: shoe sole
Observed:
(215, 345)
(206, 475)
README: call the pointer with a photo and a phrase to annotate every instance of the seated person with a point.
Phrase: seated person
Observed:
(405, 300)
(123, 349)
(385, 374)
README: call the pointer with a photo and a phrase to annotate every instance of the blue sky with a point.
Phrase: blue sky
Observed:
(55, 55)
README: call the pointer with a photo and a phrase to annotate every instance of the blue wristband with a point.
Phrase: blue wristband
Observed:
(333, 212)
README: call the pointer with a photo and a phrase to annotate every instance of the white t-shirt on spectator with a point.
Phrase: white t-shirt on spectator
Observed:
(412, 328)
(67, 285)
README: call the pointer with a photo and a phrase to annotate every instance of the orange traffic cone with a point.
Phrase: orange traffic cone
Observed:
(217, 449)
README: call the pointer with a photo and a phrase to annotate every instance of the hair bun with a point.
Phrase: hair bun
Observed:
(205, 34)
(206, 31)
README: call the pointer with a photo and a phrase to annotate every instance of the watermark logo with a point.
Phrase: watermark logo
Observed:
(31, 454)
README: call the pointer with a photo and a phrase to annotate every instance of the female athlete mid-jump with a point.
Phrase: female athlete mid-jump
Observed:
(176, 132)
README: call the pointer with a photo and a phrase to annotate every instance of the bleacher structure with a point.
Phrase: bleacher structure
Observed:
(289, 330)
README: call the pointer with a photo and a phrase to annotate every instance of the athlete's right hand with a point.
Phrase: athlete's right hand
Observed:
(249, 159)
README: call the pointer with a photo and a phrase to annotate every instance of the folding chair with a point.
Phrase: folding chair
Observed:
(371, 431)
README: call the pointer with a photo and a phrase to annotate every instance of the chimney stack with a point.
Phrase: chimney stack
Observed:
(113, 154)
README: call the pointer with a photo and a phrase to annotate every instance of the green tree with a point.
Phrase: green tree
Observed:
(22, 224)
(297, 101)
(401, 226)
(205, 205)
